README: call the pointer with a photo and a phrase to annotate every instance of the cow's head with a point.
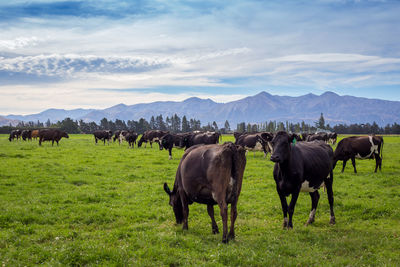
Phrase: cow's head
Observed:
(281, 147)
(64, 134)
(175, 202)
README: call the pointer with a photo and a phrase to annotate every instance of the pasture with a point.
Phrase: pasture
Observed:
(87, 204)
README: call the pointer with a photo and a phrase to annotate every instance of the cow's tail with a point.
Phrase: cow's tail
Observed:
(237, 168)
(381, 150)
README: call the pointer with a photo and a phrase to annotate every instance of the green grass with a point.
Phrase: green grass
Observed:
(87, 204)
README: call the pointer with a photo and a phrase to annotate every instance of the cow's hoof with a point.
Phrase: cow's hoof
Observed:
(231, 236)
(225, 241)
(215, 231)
(332, 221)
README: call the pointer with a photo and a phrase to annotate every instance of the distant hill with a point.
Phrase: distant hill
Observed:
(6, 121)
(253, 109)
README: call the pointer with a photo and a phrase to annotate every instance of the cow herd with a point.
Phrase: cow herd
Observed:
(43, 135)
(212, 174)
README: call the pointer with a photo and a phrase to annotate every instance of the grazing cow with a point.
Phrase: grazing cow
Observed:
(361, 147)
(102, 135)
(128, 136)
(318, 136)
(305, 135)
(192, 139)
(116, 136)
(51, 135)
(151, 136)
(252, 142)
(304, 166)
(15, 134)
(26, 134)
(209, 174)
(35, 134)
(332, 138)
(170, 141)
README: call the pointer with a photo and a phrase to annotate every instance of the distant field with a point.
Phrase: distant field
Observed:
(87, 204)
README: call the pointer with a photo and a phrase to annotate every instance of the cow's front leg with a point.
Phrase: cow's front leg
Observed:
(284, 208)
(292, 204)
(353, 161)
(314, 203)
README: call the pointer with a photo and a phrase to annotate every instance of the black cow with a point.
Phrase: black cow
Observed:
(151, 136)
(209, 174)
(128, 136)
(253, 142)
(102, 135)
(26, 135)
(361, 147)
(15, 134)
(51, 135)
(332, 138)
(116, 136)
(318, 136)
(192, 139)
(304, 166)
(170, 141)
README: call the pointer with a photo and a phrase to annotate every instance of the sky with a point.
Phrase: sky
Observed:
(99, 53)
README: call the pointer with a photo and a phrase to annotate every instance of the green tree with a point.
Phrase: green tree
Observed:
(321, 122)
(227, 126)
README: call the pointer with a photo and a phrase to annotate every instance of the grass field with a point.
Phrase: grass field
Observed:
(87, 204)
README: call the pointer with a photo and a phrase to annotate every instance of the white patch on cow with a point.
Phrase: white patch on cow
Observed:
(213, 196)
(170, 157)
(305, 187)
(312, 214)
(271, 149)
(231, 182)
(373, 150)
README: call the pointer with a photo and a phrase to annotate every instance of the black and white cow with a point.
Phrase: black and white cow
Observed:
(170, 141)
(360, 147)
(318, 136)
(151, 136)
(15, 134)
(102, 135)
(332, 138)
(254, 142)
(304, 166)
(128, 136)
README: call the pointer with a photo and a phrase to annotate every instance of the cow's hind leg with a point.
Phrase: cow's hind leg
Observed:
(329, 191)
(210, 210)
(353, 161)
(314, 203)
(185, 209)
(233, 219)
(378, 162)
(224, 214)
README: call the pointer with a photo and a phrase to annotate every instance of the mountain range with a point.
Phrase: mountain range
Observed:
(253, 109)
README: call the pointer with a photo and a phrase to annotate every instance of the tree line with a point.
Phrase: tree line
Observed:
(177, 124)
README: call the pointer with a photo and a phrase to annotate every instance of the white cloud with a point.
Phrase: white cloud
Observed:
(19, 42)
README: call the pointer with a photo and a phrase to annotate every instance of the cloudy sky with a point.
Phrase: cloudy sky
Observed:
(95, 54)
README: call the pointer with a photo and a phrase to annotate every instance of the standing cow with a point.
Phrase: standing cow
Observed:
(15, 134)
(304, 166)
(192, 139)
(209, 174)
(360, 147)
(26, 135)
(151, 136)
(51, 135)
(128, 136)
(102, 135)
(170, 141)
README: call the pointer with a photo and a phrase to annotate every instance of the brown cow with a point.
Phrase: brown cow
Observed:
(51, 135)
(35, 134)
(361, 147)
(209, 174)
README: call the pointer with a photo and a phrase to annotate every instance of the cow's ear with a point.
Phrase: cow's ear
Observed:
(166, 189)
